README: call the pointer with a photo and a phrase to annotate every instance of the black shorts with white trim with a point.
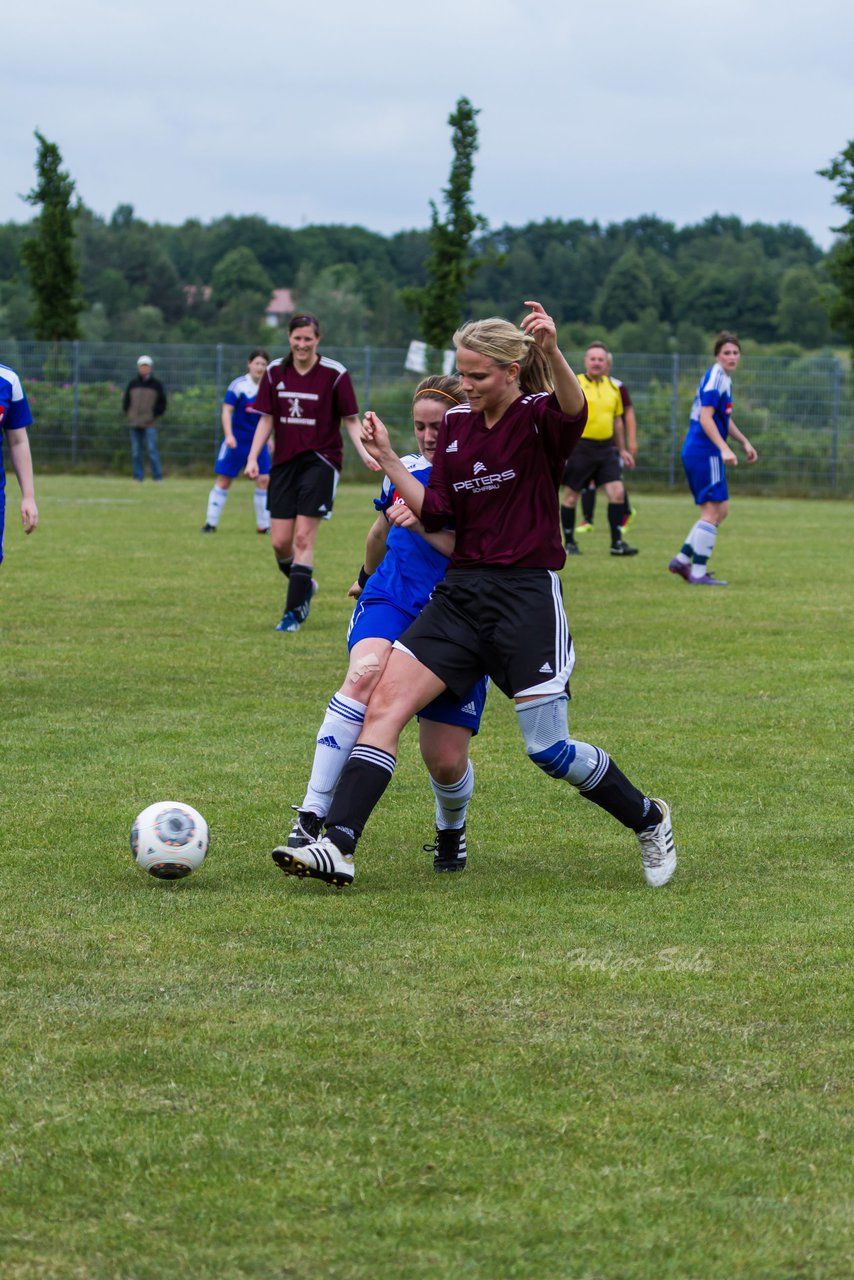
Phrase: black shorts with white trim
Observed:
(303, 486)
(506, 623)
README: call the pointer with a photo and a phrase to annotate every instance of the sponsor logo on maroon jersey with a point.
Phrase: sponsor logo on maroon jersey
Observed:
(480, 484)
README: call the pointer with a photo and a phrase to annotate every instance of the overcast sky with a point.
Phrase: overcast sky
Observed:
(337, 112)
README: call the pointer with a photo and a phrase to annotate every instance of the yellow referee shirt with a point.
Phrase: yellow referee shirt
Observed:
(604, 404)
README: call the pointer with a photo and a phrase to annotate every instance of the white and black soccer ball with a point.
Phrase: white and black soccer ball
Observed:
(169, 840)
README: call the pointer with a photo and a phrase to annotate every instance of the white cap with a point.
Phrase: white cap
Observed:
(144, 360)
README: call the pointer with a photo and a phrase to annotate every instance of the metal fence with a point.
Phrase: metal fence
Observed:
(797, 412)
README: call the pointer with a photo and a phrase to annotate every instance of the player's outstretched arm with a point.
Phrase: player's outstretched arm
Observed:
(376, 440)
(354, 431)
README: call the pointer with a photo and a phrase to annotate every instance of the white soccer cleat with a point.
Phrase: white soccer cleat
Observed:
(658, 850)
(320, 860)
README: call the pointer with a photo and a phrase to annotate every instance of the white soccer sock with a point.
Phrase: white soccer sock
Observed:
(262, 515)
(452, 800)
(217, 499)
(703, 541)
(336, 738)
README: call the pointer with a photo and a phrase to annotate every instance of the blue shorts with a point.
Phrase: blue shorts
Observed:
(706, 476)
(379, 619)
(230, 462)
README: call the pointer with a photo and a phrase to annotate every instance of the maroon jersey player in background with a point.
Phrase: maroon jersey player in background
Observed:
(499, 611)
(303, 399)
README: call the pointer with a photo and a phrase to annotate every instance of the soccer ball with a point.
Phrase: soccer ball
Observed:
(169, 840)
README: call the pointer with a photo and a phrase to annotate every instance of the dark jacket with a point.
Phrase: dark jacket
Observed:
(144, 401)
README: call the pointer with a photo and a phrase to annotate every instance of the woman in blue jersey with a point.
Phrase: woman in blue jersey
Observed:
(402, 566)
(238, 429)
(705, 456)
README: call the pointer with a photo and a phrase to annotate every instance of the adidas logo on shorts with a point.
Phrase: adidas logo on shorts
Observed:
(469, 709)
(546, 669)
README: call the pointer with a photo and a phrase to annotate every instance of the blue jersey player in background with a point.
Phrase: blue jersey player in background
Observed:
(238, 429)
(15, 417)
(400, 571)
(706, 454)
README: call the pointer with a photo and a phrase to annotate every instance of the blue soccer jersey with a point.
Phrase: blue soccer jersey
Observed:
(241, 395)
(410, 568)
(14, 410)
(715, 393)
(14, 415)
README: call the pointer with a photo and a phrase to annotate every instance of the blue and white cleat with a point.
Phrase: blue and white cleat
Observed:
(288, 622)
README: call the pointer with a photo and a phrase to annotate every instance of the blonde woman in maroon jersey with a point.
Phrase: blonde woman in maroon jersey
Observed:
(499, 611)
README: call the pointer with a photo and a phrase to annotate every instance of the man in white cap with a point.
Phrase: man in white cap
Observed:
(144, 401)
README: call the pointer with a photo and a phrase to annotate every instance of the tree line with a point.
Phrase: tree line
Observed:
(643, 284)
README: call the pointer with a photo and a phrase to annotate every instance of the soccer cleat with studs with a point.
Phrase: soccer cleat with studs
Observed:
(320, 860)
(448, 849)
(308, 827)
(623, 549)
(586, 526)
(208, 528)
(658, 850)
(288, 621)
(572, 548)
(707, 580)
(684, 570)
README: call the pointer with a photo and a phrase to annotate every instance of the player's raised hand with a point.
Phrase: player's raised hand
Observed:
(374, 435)
(541, 327)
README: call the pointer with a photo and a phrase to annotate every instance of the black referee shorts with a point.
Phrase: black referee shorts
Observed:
(592, 460)
(506, 623)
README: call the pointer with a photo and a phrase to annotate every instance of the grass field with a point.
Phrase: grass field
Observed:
(540, 1069)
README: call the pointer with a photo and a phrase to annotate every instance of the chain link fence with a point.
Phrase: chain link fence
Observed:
(797, 412)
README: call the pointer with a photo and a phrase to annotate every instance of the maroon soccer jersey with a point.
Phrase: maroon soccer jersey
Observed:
(624, 393)
(498, 485)
(307, 408)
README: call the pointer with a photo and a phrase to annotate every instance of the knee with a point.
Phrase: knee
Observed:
(444, 763)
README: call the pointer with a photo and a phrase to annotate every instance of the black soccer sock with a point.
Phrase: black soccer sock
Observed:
(588, 503)
(615, 516)
(360, 788)
(299, 587)
(627, 506)
(285, 566)
(621, 798)
(567, 520)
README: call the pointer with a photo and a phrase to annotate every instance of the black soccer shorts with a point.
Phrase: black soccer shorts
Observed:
(303, 486)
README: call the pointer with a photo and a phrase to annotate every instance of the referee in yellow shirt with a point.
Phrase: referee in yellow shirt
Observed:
(599, 452)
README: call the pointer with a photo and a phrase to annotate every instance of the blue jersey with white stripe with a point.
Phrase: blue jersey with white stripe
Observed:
(14, 409)
(241, 394)
(715, 393)
(410, 567)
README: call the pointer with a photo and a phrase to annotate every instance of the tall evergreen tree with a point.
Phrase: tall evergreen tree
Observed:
(840, 264)
(49, 254)
(450, 265)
